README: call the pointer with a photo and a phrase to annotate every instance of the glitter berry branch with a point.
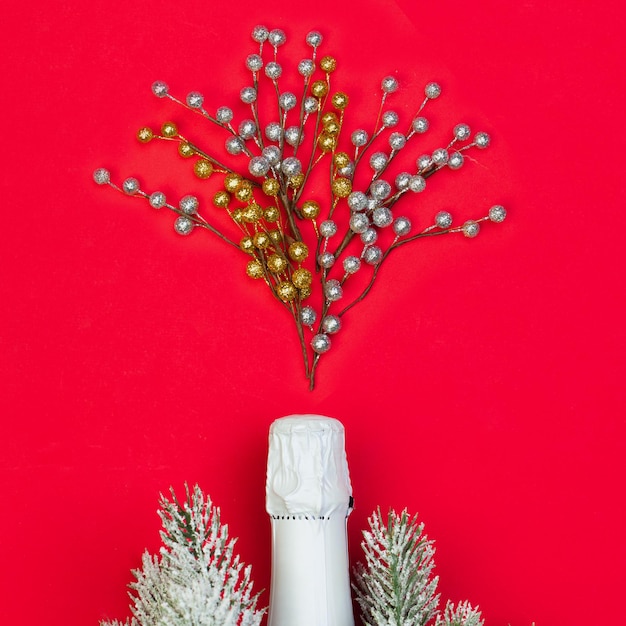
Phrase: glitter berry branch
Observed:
(282, 212)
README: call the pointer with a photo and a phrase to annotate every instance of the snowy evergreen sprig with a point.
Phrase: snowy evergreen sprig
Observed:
(196, 578)
(464, 614)
(396, 586)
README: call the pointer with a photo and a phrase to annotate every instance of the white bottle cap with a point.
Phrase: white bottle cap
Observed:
(307, 469)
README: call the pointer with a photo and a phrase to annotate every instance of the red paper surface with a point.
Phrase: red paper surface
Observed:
(480, 383)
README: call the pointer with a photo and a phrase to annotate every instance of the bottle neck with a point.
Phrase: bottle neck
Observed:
(310, 572)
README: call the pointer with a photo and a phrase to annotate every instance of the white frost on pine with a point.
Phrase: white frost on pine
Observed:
(396, 587)
(462, 615)
(196, 579)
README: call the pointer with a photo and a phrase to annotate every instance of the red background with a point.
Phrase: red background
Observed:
(480, 383)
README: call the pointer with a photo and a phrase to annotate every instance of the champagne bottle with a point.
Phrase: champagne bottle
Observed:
(309, 498)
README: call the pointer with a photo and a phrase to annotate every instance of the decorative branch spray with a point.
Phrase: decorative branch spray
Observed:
(309, 498)
(274, 206)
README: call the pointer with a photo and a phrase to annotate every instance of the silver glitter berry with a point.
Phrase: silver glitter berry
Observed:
(482, 140)
(157, 200)
(390, 119)
(273, 131)
(331, 324)
(402, 180)
(247, 129)
(328, 228)
(248, 95)
(254, 62)
(130, 186)
(326, 260)
(273, 70)
(308, 315)
(456, 161)
(234, 145)
(359, 222)
(183, 225)
(101, 176)
(224, 115)
(277, 37)
(461, 132)
(372, 255)
(443, 219)
(417, 184)
(402, 226)
(497, 213)
(380, 189)
(287, 101)
(397, 141)
(351, 264)
(440, 156)
(260, 33)
(432, 90)
(333, 290)
(378, 161)
(372, 203)
(320, 344)
(306, 67)
(188, 205)
(160, 89)
(357, 201)
(348, 170)
(195, 100)
(382, 217)
(314, 39)
(369, 236)
(258, 166)
(389, 84)
(272, 154)
(311, 105)
(291, 166)
(359, 138)
(471, 228)
(294, 136)
(420, 125)
(423, 162)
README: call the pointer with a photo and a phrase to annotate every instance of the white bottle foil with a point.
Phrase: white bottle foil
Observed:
(308, 496)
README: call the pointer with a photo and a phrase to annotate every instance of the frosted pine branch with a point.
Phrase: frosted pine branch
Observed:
(396, 587)
(462, 615)
(196, 578)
